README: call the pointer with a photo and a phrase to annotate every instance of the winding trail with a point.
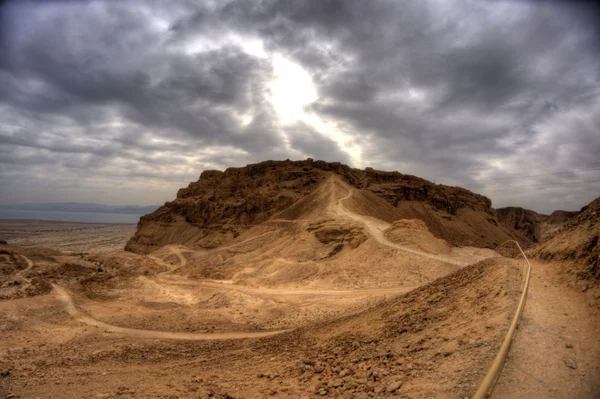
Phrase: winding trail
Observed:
(287, 292)
(29, 266)
(66, 299)
(371, 224)
(179, 254)
(170, 267)
(556, 353)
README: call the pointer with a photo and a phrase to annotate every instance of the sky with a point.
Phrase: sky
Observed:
(124, 102)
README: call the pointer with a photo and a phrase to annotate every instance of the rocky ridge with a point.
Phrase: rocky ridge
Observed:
(220, 205)
(534, 226)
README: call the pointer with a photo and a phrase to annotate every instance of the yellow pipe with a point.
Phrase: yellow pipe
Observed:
(489, 381)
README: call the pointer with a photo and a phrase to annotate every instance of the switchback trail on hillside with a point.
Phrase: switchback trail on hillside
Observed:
(371, 224)
(331, 196)
(556, 352)
(29, 266)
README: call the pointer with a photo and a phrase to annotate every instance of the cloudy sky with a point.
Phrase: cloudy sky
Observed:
(123, 102)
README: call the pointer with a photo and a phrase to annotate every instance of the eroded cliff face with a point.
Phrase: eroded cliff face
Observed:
(526, 221)
(396, 187)
(220, 205)
(454, 214)
(576, 243)
(535, 226)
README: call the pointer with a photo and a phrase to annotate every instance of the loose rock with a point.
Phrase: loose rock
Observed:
(570, 363)
(394, 386)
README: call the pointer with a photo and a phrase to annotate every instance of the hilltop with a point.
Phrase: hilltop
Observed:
(220, 206)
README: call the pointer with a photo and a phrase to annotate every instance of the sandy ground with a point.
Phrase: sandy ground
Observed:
(66, 236)
(61, 343)
(556, 353)
(278, 313)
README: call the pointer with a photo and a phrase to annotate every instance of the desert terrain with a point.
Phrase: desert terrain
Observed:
(297, 280)
(66, 236)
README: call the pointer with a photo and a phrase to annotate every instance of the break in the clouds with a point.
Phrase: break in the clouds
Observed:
(122, 102)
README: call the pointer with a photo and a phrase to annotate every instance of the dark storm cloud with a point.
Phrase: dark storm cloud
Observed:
(193, 94)
(85, 89)
(461, 92)
(490, 76)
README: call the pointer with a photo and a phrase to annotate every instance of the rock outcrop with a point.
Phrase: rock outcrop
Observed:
(414, 233)
(576, 243)
(525, 221)
(454, 214)
(535, 226)
(331, 232)
(396, 187)
(220, 205)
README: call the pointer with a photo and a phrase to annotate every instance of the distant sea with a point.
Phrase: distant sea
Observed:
(85, 217)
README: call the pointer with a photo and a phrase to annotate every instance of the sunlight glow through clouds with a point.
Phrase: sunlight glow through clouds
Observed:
(292, 91)
(251, 46)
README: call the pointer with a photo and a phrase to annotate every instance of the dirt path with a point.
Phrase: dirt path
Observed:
(556, 352)
(170, 267)
(29, 266)
(69, 304)
(371, 225)
(227, 285)
(178, 252)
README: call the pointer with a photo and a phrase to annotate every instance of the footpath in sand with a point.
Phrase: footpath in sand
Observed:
(556, 352)
(458, 256)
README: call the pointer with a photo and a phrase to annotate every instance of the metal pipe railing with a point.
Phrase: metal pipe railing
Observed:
(490, 379)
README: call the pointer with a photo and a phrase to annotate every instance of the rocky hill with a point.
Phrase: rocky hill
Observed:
(220, 205)
(576, 244)
(534, 226)
(558, 218)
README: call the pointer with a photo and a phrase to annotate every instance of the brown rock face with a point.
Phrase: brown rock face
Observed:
(396, 187)
(526, 221)
(535, 226)
(561, 217)
(576, 242)
(330, 232)
(414, 233)
(221, 205)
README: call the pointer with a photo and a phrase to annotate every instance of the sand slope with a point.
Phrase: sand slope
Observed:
(577, 246)
(423, 340)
